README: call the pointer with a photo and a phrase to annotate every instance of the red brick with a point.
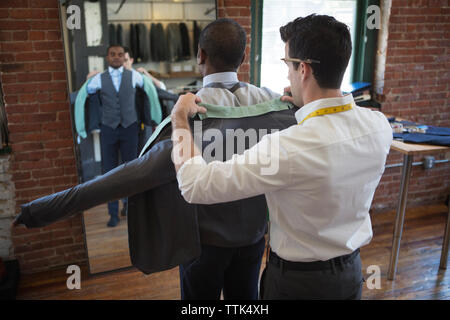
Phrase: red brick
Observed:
(39, 254)
(16, 46)
(32, 56)
(36, 35)
(47, 45)
(54, 35)
(5, 35)
(43, 4)
(52, 107)
(20, 35)
(14, 24)
(14, 4)
(34, 77)
(28, 14)
(237, 3)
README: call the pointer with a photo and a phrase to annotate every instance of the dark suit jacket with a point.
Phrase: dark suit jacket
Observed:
(133, 40)
(163, 228)
(158, 46)
(185, 43)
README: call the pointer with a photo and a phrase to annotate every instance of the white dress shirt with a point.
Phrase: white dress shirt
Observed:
(320, 192)
(116, 77)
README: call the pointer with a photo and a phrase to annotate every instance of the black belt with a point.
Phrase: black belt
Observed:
(275, 260)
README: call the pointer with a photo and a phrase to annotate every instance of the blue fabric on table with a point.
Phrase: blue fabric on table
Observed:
(434, 135)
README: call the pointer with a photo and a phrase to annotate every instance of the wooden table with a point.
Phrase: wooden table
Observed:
(409, 150)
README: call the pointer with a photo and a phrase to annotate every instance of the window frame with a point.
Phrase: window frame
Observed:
(363, 62)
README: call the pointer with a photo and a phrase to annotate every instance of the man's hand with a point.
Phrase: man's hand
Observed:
(91, 74)
(142, 70)
(15, 222)
(187, 107)
(184, 147)
(287, 95)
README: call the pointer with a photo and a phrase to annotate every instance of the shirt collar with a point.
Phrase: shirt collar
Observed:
(228, 77)
(112, 70)
(322, 103)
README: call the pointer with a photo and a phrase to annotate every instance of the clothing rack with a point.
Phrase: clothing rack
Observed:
(160, 20)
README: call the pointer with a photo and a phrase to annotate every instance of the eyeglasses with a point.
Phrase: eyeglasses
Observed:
(300, 60)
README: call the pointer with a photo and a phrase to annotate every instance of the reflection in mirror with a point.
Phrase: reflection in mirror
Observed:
(126, 62)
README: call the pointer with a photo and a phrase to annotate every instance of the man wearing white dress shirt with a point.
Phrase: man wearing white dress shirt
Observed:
(119, 128)
(329, 167)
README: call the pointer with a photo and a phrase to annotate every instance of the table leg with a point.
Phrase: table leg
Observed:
(400, 216)
(444, 253)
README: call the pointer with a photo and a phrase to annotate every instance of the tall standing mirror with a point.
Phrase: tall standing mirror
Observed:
(158, 39)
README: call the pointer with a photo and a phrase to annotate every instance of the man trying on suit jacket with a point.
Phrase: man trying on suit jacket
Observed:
(231, 250)
(119, 129)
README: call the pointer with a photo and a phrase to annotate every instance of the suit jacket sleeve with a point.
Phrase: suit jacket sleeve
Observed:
(153, 169)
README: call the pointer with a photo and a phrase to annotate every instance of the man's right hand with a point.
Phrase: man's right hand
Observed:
(287, 95)
(91, 74)
(15, 222)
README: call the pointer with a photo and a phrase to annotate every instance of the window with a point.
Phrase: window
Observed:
(267, 46)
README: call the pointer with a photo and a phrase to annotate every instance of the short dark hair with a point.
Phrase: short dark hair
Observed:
(224, 42)
(322, 38)
(113, 46)
(128, 50)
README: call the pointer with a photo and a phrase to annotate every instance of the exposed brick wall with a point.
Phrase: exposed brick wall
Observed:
(34, 83)
(416, 87)
(240, 11)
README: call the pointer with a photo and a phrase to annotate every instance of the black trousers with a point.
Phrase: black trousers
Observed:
(235, 270)
(113, 141)
(342, 280)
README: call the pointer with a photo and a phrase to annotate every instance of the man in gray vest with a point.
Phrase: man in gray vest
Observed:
(119, 129)
(232, 243)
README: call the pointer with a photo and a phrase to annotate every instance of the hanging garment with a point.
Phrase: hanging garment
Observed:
(133, 40)
(112, 34)
(185, 43)
(153, 51)
(119, 34)
(144, 50)
(197, 31)
(158, 43)
(174, 45)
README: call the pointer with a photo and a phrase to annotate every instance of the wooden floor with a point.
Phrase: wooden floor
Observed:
(418, 275)
(107, 247)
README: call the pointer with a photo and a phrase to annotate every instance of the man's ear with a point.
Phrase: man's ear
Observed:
(131, 60)
(201, 56)
(305, 70)
(243, 58)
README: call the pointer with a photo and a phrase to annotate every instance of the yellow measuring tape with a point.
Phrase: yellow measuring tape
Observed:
(328, 110)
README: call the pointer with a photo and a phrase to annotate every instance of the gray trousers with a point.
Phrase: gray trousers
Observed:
(340, 282)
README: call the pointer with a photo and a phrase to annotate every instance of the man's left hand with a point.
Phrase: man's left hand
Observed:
(187, 107)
